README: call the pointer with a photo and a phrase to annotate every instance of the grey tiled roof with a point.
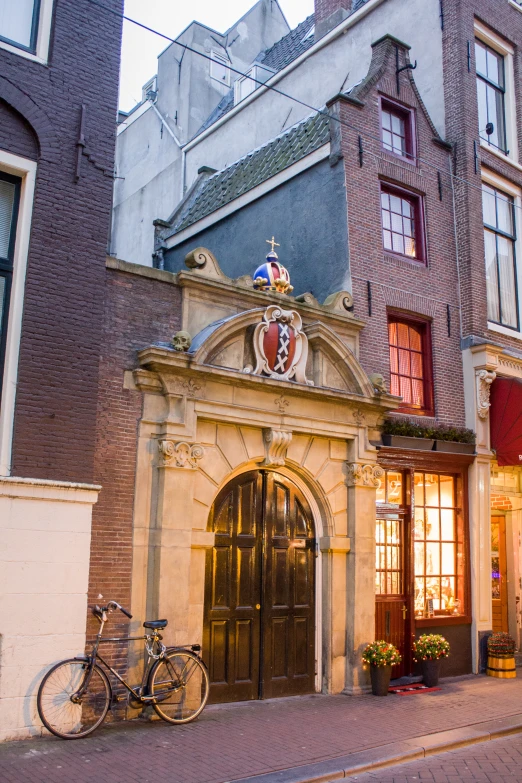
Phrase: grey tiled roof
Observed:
(225, 104)
(248, 172)
(294, 43)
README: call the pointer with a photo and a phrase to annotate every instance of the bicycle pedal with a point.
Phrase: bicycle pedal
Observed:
(118, 699)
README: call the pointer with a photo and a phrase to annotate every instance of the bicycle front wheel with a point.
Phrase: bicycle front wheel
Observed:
(66, 711)
(180, 685)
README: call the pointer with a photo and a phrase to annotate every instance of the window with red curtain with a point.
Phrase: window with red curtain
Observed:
(410, 364)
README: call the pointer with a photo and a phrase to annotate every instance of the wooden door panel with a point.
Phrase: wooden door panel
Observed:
(259, 635)
(289, 607)
(244, 650)
(218, 653)
(499, 602)
(392, 603)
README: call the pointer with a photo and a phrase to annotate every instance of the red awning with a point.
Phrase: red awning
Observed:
(506, 420)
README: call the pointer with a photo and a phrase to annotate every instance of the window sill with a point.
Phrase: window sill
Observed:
(434, 622)
(417, 262)
(22, 53)
(500, 155)
(493, 327)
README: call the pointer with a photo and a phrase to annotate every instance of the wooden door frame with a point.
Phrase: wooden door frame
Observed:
(382, 511)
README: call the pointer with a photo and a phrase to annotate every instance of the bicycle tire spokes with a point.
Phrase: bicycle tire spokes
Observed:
(61, 709)
(179, 685)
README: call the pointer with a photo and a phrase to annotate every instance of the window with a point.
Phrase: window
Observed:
(491, 95)
(19, 23)
(438, 543)
(499, 247)
(9, 201)
(397, 129)
(410, 364)
(244, 87)
(219, 69)
(402, 223)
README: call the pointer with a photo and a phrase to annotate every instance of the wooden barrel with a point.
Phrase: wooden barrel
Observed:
(501, 667)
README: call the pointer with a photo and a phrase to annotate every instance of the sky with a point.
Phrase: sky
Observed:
(141, 48)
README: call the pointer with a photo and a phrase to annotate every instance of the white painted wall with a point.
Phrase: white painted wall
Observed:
(148, 163)
(339, 65)
(45, 535)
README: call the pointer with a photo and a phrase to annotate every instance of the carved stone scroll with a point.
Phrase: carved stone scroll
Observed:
(364, 475)
(276, 446)
(180, 455)
(484, 379)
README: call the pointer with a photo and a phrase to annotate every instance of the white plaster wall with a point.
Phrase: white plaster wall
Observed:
(339, 65)
(45, 534)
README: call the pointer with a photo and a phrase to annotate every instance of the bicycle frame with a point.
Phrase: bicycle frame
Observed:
(138, 691)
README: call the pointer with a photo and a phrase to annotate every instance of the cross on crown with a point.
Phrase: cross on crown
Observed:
(273, 243)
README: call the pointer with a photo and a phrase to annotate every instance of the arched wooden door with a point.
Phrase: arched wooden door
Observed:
(259, 623)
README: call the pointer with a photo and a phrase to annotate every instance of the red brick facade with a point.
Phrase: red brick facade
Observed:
(139, 311)
(462, 128)
(428, 289)
(40, 108)
(325, 8)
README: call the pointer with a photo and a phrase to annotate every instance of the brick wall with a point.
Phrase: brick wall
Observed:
(396, 283)
(500, 502)
(138, 312)
(324, 8)
(462, 129)
(61, 331)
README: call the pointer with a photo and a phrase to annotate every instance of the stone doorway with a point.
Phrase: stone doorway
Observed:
(259, 617)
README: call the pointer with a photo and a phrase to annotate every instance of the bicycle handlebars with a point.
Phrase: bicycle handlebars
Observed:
(101, 611)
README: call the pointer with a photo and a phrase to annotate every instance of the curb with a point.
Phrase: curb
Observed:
(392, 754)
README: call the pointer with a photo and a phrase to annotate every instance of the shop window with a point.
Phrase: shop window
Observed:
(397, 129)
(402, 223)
(438, 545)
(9, 201)
(19, 23)
(499, 246)
(491, 89)
(410, 364)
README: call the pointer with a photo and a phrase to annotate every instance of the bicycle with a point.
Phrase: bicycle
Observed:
(75, 694)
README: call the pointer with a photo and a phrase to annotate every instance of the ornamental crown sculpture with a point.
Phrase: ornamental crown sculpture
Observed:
(272, 276)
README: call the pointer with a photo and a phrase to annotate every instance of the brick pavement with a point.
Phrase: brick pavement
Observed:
(498, 761)
(234, 741)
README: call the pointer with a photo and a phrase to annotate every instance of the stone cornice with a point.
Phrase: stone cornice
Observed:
(167, 363)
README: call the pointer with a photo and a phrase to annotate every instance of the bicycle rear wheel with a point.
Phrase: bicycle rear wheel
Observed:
(179, 682)
(64, 713)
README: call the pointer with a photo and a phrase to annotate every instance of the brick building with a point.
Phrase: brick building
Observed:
(362, 200)
(58, 100)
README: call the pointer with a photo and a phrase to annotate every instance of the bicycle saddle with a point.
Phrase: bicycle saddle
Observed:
(156, 625)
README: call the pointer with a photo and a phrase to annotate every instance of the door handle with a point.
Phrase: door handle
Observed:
(258, 606)
(404, 611)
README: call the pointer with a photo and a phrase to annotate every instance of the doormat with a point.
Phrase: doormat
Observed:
(408, 690)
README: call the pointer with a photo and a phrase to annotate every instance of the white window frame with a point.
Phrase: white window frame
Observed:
(26, 170)
(506, 51)
(43, 36)
(490, 178)
(251, 76)
(223, 61)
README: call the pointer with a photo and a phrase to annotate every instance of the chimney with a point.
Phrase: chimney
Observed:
(330, 13)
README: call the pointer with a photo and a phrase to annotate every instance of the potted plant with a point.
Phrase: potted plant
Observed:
(381, 656)
(406, 434)
(429, 650)
(501, 656)
(457, 440)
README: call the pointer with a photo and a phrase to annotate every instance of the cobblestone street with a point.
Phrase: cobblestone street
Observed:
(231, 742)
(498, 761)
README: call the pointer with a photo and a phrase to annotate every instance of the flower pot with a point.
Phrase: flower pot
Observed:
(501, 666)
(431, 672)
(381, 676)
(405, 442)
(454, 447)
